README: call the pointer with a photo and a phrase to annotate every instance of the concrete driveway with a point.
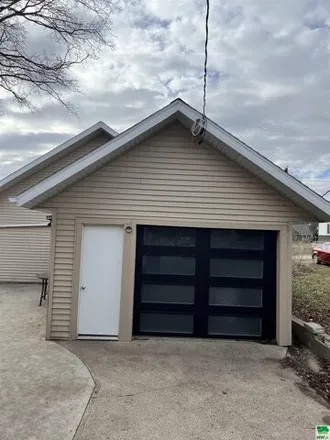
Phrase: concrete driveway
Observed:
(183, 389)
(44, 389)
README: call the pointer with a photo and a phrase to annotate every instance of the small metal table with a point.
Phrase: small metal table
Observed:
(44, 286)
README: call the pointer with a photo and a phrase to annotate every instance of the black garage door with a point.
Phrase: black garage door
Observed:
(205, 282)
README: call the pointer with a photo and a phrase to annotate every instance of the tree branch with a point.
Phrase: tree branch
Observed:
(77, 28)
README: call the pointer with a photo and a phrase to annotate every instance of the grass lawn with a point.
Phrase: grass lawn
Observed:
(311, 295)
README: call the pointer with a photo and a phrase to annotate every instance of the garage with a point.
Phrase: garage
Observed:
(155, 234)
(205, 282)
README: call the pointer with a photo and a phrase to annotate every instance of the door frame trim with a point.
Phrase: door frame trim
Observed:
(79, 225)
(52, 252)
(283, 269)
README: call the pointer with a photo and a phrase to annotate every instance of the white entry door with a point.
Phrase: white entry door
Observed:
(100, 280)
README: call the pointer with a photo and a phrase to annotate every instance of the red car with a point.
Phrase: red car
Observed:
(321, 253)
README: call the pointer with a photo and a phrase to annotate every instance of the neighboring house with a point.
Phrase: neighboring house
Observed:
(324, 231)
(302, 233)
(155, 234)
(25, 234)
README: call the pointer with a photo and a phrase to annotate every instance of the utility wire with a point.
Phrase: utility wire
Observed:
(205, 61)
(199, 127)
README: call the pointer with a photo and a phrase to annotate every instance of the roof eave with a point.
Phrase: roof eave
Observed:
(317, 205)
(245, 155)
(40, 192)
(31, 167)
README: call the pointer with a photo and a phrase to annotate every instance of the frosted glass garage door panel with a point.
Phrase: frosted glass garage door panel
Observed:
(235, 296)
(234, 326)
(166, 323)
(230, 268)
(167, 294)
(168, 265)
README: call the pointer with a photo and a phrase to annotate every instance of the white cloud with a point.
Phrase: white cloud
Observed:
(269, 81)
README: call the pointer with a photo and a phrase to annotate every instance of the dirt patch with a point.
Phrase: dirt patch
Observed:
(316, 372)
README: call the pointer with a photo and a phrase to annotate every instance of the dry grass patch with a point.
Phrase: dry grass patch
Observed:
(301, 248)
(301, 267)
(311, 293)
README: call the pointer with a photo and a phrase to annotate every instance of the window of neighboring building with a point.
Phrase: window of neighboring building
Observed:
(328, 228)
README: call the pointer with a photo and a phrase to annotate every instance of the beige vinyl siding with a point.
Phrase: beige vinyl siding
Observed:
(24, 252)
(12, 214)
(164, 178)
(62, 278)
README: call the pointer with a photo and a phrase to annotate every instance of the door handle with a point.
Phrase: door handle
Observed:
(83, 287)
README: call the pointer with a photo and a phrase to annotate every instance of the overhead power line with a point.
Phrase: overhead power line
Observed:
(199, 127)
(205, 51)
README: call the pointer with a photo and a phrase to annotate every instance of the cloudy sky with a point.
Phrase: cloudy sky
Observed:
(268, 83)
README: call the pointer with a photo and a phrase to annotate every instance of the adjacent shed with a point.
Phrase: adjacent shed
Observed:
(25, 234)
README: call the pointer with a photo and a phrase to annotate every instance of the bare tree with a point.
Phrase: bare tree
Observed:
(77, 30)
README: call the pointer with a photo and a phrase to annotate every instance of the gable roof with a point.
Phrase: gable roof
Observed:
(215, 136)
(52, 155)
